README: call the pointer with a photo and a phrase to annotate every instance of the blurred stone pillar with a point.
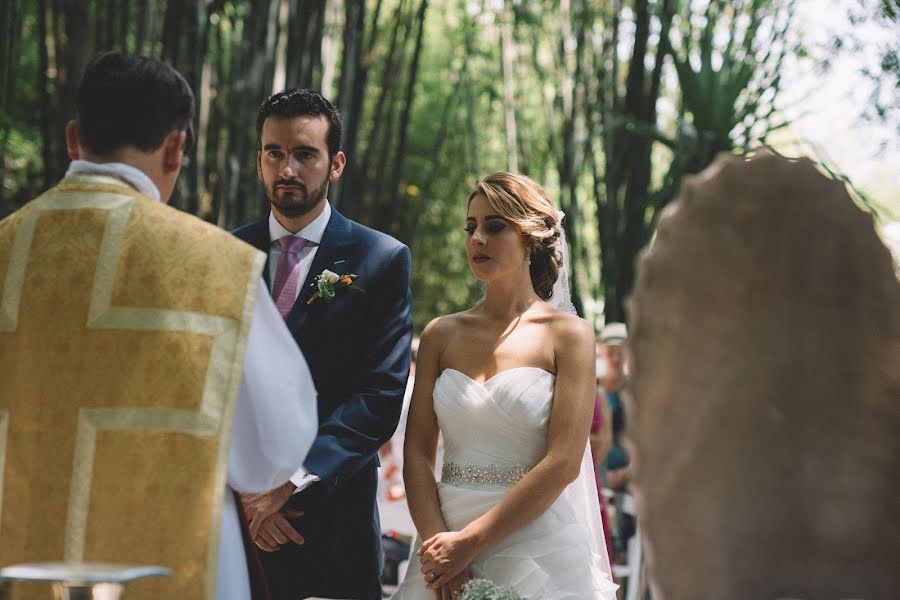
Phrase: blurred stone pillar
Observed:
(765, 392)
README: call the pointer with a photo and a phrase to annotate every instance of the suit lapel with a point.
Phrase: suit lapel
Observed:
(334, 248)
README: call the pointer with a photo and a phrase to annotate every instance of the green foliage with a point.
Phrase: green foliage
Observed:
(881, 64)
(613, 102)
(740, 88)
(21, 167)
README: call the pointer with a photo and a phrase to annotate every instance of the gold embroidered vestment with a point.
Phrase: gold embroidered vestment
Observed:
(123, 325)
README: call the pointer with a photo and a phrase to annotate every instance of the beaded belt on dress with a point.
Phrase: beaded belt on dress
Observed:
(456, 473)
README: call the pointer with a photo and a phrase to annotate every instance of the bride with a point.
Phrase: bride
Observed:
(510, 385)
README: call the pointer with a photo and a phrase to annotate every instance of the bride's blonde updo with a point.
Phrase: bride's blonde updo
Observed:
(522, 201)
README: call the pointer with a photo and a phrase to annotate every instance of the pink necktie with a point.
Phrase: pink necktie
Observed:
(287, 273)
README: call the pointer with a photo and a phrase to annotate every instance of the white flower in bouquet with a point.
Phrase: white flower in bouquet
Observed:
(482, 589)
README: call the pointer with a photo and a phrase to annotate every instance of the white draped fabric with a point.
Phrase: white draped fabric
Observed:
(275, 423)
(561, 555)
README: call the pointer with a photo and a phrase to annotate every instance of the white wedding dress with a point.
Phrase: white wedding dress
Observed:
(492, 433)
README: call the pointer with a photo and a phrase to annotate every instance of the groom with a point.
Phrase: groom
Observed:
(343, 290)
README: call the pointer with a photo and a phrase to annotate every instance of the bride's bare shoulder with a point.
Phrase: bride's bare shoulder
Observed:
(439, 331)
(567, 327)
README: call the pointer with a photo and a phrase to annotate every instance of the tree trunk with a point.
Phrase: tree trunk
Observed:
(142, 16)
(400, 156)
(9, 61)
(381, 120)
(171, 47)
(330, 42)
(271, 38)
(471, 111)
(450, 105)
(349, 101)
(10, 29)
(109, 40)
(311, 75)
(153, 47)
(192, 46)
(203, 203)
(124, 21)
(9, 53)
(249, 85)
(571, 45)
(218, 129)
(507, 53)
(639, 108)
(279, 77)
(76, 53)
(44, 90)
(624, 198)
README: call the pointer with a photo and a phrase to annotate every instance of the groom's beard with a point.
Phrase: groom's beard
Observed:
(296, 201)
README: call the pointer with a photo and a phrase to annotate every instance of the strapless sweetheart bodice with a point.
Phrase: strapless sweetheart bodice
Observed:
(502, 421)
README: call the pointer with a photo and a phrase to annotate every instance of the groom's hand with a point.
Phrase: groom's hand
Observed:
(276, 531)
(259, 507)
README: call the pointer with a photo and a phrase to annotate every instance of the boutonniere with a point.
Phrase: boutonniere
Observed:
(327, 284)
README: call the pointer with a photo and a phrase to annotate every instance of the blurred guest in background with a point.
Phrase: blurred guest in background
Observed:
(601, 443)
(612, 383)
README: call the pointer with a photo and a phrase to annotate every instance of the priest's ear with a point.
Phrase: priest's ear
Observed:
(72, 140)
(174, 147)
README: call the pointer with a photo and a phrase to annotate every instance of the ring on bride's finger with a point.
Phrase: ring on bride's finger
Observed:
(433, 575)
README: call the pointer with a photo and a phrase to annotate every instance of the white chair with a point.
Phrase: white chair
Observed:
(632, 569)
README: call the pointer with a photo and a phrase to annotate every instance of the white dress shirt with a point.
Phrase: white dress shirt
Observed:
(312, 233)
(275, 419)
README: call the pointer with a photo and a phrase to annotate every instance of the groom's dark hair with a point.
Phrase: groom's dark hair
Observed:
(127, 100)
(299, 102)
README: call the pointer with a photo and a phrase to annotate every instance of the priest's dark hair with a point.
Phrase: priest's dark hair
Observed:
(299, 102)
(128, 100)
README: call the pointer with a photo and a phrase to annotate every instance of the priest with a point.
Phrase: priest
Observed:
(135, 396)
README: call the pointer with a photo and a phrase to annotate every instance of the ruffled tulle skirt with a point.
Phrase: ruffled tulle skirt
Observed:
(551, 558)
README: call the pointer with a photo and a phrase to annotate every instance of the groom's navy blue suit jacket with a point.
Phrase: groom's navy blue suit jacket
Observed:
(358, 350)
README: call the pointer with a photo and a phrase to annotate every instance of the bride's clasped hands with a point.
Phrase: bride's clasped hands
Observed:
(446, 555)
